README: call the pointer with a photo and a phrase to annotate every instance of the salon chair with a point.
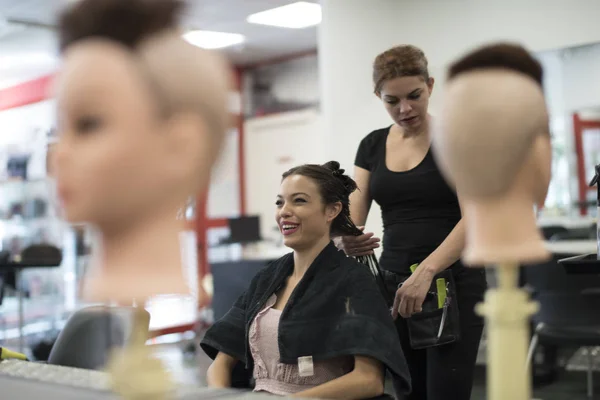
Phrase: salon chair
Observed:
(7, 276)
(90, 334)
(568, 315)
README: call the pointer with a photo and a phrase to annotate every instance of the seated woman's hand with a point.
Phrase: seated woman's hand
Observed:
(358, 245)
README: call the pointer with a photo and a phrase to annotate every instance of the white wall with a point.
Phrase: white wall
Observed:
(274, 144)
(224, 191)
(353, 32)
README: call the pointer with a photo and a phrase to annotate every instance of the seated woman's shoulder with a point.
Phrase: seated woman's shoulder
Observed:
(273, 266)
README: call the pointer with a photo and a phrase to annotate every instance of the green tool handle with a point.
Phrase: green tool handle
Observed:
(413, 268)
(441, 291)
(440, 284)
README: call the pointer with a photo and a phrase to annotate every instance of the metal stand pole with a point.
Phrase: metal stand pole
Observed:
(507, 310)
(21, 311)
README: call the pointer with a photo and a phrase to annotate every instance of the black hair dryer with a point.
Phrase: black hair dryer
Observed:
(595, 182)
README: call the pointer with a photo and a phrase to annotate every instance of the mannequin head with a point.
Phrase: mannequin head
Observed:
(493, 143)
(142, 113)
(142, 116)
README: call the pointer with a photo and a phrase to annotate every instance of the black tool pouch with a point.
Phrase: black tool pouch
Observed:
(435, 326)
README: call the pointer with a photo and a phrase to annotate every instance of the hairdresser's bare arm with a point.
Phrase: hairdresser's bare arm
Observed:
(360, 203)
(219, 372)
(360, 200)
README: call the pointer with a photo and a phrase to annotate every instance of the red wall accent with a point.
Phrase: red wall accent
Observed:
(26, 93)
(579, 126)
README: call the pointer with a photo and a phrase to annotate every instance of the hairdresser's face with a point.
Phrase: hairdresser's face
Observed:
(107, 161)
(302, 217)
(406, 99)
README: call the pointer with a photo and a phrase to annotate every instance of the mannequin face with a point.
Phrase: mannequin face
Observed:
(112, 161)
(302, 217)
(406, 100)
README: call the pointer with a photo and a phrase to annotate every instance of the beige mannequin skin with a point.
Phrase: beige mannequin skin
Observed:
(496, 150)
(492, 141)
(125, 168)
(140, 131)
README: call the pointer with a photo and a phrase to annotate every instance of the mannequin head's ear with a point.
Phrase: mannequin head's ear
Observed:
(541, 151)
(189, 147)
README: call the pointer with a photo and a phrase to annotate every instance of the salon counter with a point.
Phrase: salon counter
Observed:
(29, 380)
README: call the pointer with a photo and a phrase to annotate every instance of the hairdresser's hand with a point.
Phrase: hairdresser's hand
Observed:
(410, 296)
(358, 245)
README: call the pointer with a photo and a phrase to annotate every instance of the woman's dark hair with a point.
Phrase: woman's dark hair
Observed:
(399, 61)
(499, 55)
(333, 186)
(128, 22)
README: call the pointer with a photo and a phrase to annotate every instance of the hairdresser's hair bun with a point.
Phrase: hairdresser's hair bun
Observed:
(339, 173)
(125, 21)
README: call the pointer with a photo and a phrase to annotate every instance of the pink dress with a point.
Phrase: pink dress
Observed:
(282, 379)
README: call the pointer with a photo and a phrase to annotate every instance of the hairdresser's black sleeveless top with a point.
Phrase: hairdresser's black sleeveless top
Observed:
(418, 207)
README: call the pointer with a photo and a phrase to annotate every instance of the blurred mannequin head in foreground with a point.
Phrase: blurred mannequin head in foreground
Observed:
(142, 117)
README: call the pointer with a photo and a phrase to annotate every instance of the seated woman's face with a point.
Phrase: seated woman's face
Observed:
(302, 217)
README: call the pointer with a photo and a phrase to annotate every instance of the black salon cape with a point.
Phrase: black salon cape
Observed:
(335, 310)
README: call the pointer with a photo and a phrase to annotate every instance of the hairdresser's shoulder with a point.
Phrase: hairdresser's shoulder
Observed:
(377, 134)
(370, 143)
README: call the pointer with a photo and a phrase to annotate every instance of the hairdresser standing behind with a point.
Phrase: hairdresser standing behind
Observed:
(422, 225)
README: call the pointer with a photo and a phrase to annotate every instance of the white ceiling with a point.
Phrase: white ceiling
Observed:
(262, 42)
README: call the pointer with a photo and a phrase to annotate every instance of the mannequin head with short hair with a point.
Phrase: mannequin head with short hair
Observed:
(142, 119)
(493, 143)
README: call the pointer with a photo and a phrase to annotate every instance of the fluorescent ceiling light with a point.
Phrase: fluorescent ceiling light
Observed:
(213, 40)
(296, 16)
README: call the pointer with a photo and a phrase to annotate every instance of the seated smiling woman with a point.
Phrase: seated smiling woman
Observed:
(313, 323)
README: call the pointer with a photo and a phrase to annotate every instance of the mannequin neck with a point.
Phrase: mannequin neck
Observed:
(502, 230)
(138, 259)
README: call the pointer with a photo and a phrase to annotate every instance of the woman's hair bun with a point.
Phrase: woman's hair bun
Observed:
(125, 21)
(334, 167)
(339, 173)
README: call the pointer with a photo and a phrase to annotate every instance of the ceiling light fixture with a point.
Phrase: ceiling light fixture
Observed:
(297, 15)
(213, 40)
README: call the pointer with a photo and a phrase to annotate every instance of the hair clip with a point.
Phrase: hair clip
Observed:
(338, 172)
